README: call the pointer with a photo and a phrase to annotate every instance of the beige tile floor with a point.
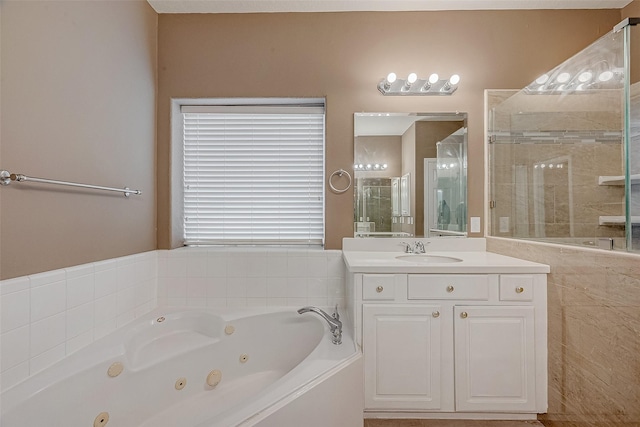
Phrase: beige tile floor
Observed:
(448, 423)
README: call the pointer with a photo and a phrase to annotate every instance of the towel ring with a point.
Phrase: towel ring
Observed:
(339, 172)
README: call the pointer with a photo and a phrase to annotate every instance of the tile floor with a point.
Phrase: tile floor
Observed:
(448, 423)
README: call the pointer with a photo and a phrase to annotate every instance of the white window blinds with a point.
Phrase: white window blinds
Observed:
(253, 175)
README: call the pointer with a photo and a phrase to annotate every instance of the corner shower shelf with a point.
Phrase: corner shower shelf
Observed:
(617, 220)
(617, 180)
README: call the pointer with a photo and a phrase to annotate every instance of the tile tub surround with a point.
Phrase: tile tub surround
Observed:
(46, 316)
(250, 277)
(594, 333)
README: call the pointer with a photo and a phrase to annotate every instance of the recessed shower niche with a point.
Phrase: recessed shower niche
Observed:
(564, 151)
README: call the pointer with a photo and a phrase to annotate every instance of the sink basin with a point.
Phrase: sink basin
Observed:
(428, 259)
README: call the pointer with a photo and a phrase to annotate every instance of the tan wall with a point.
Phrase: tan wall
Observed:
(342, 56)
(594, 319)
(78, 104)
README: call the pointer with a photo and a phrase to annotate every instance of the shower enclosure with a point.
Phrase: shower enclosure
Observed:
(564, 151)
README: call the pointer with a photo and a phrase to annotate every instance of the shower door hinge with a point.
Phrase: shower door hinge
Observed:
(492, 204)
(491, 139)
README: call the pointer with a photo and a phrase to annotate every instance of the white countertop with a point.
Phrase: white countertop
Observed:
(472, 262)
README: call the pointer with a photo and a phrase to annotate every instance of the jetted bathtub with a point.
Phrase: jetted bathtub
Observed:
(188, 368)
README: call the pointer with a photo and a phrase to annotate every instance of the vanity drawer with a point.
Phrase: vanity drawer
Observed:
(448, 286)
(516, 287)
(378, 287)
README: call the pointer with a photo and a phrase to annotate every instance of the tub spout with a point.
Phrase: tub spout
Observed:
(335, 325)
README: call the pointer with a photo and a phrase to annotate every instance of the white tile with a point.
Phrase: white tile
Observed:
(176, 287)
(48, 299)
(176, 301)
(127, 276)
(236, 266)
(335, 266)
(14, 285)
(79, 270)
(297, 267)
(276, 287)
(256, 302)
(335, 288)
(318, 301)
(296, 302)
(126, 301)
(256, 287)
(106, 282)
(296, 287)
(145, 308)
(80, 290)
(256, 266)
(46, 359)
(216, 302)
(236, 287)
(216, 265)
(105, 308)
(47, 333)
(46, 278)
(197, 287)
(196, 302)
(236, 302)
(104, 329)
(14, 375)
(276, 302)
(317, 266)
(14, 310)
(125, 318)
(109, 264)
(277, 266)
(317, 287)
(217, 287)
(14, 347)
(76, 343)
(176, 267)
(197, 266)
(80, 320)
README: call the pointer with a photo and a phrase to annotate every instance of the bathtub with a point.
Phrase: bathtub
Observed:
(199, 368)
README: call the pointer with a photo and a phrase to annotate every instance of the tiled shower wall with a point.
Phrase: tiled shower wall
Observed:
(594, 333)
(44, 317)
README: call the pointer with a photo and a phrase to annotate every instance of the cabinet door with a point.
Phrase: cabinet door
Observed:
(494, 359)
(402, 356)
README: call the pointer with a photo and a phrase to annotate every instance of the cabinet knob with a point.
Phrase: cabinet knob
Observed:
(464, 315)
(519, 290)
(379, 289)
(450, 288)
(436, 314)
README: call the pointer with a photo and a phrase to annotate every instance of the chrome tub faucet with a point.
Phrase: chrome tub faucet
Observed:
(335, 325)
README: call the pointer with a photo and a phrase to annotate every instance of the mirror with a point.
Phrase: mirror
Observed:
(410, 174)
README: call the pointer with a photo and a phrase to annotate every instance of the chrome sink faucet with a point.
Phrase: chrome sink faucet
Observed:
(417, 248)
(335, 325)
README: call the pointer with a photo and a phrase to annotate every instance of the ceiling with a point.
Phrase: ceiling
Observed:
(257, 6)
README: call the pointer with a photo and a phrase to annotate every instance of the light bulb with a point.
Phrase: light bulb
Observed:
(433, 78)
(376, 166)
(542, 79)
(384, 166)
(605, 76)
(585, 76)
(391, 77)
(563, 77)
(369, 166)
(412, 78)
(454, 79)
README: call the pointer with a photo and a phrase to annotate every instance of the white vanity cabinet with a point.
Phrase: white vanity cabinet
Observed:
(458, 343)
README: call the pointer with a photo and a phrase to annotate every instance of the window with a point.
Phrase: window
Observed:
(253, 174)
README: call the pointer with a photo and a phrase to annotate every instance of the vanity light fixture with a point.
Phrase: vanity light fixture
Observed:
(413, 85)
(370, 167)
